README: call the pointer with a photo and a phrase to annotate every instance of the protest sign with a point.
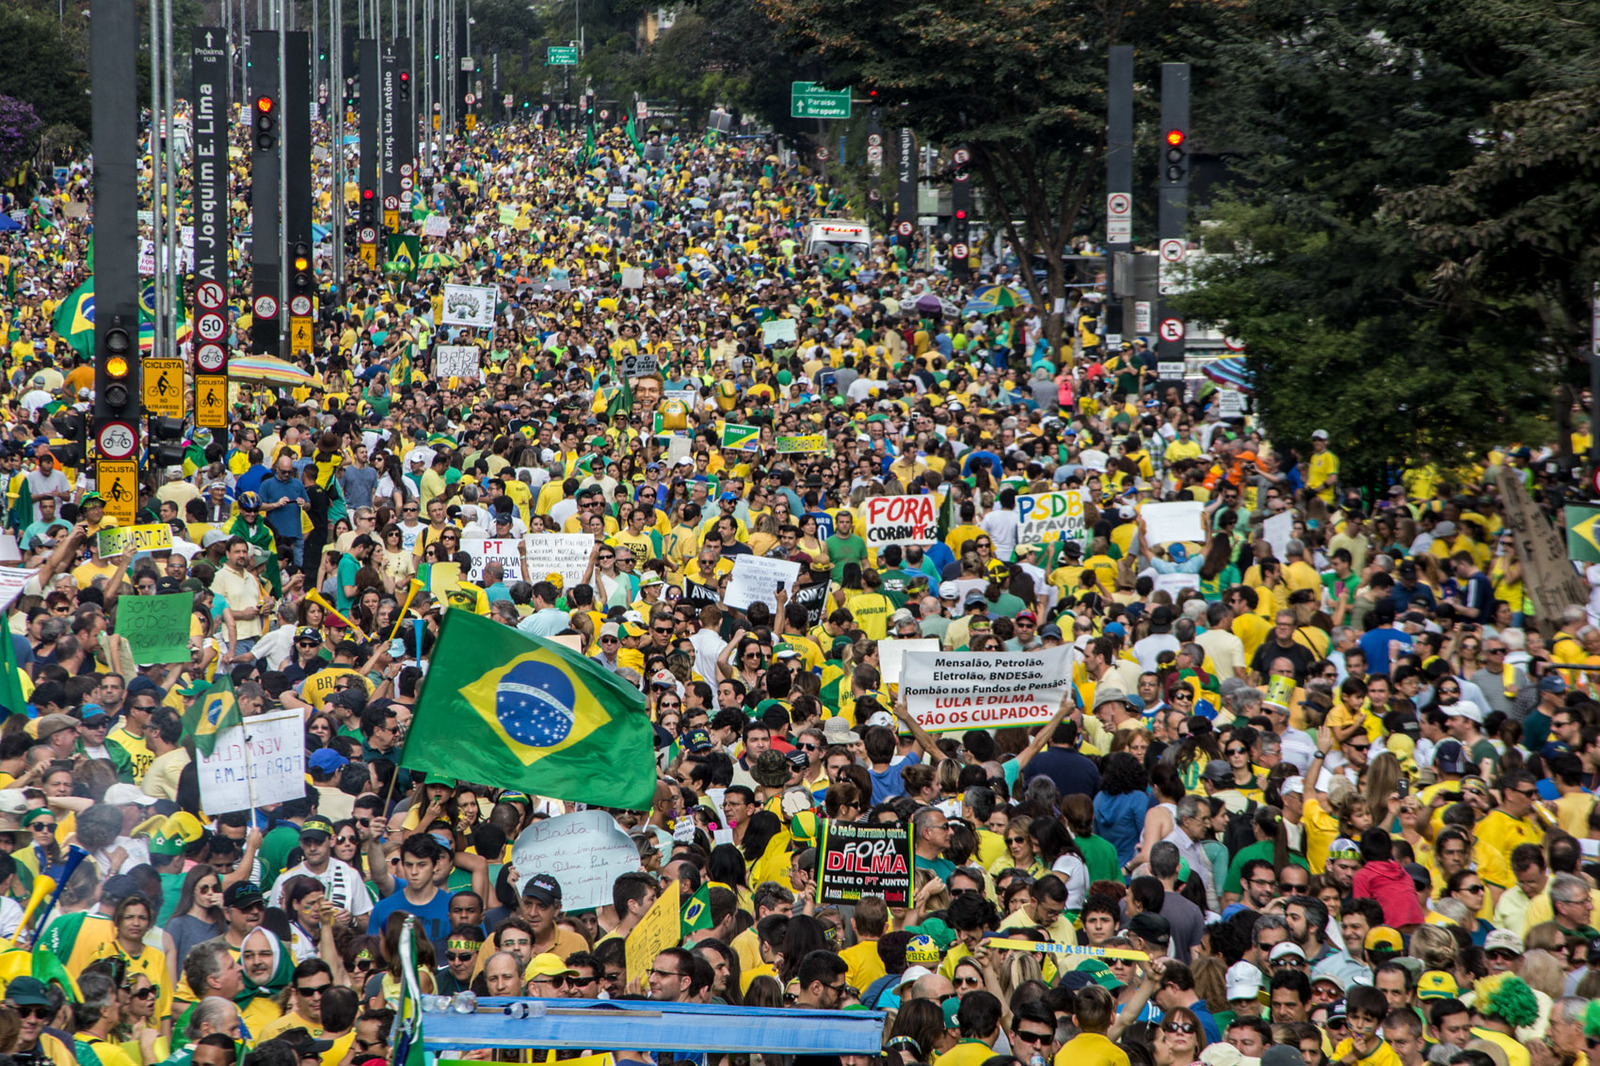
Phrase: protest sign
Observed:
(118, 539)
(740, 438)
(157, 627)
(12, 580)
(636, 364)
(486, 550)
(1165, 523)
(566, 554)
(1046, 517)
(1172, 584)
(508, 214)
(456, 361)
(803, 444)
(777, 330)
(686, 397)
(435, 226)
(633, 277)
(699, 595)
(1230, 403)
(755, 579)
(469, 305)
(659, 929)
(260, 762)
(864, 860)
(814, 598)
(1278, 531)
(10, 551)
(983, 690)
(900, 520)
(586, 852)
(892, 652)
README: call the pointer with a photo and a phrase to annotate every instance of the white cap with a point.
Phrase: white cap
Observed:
(883, 718)
(911, 974)
(1292, 786)
(1285, 950)
(119, 794)
(1464, 709)
(1320, 434)
(1243, 981)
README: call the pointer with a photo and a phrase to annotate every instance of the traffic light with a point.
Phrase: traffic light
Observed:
(301, 279)
(405, 85)
(369, 208)
(1176, 154)
(166, 441)
(116, 376)
(266, 124)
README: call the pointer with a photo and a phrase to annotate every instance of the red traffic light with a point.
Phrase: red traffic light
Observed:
(366, 194)
(264, 104)
(1174, 137)
(961, 212)
(405, 75)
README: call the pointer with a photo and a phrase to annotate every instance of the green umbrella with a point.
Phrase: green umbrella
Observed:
(436, 261)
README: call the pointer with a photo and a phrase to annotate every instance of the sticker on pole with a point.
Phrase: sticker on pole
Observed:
(116, 440)
(300, 305)
(266, 307)
(210, 357)
(905, 228)
(209, 295)
(1172, 329)
(1173, 249)
(1119, 204)
(960, 251)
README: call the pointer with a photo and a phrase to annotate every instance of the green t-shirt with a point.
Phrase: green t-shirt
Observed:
(842, 550)
(274, 851)
(1100, 856)
(1261, 849)
(349, 565)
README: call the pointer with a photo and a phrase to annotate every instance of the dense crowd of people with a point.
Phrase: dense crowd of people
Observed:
(1324, 799)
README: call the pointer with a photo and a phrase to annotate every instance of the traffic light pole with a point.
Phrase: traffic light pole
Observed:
(266, 242)
(1119, 190)
(367, 209)
(1174, 207)
(300, 288)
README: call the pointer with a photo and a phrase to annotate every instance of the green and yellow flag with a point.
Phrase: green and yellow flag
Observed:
(213, 710)
(1583, 538)
(405, 251)
(546, 720)
(74, 321)
(696, 913)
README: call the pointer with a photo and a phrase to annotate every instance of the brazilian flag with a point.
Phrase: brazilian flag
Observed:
(74, 321)
(1583, 538)
(545, 720)
(213, 710)
(405, 250)
(696, 913)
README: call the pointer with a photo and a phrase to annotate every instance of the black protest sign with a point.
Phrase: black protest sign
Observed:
(864, 860)
(699, 595)
(814, 598)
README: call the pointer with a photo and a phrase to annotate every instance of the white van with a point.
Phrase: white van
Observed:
(838, 236)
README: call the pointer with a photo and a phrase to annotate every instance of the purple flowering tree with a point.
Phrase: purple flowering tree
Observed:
(19, 125)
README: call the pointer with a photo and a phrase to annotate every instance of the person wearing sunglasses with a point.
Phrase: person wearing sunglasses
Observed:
(1180, 1038)
(548, 977)
(1033, 1031)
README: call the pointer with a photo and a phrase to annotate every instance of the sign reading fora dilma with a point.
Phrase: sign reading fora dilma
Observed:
(864, 860)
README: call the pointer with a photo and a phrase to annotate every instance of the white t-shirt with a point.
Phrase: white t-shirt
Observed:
(340, 882)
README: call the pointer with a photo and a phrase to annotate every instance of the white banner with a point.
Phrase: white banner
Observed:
(633, 277)
(636, 364)
(1166, 523)
(11, 581)
(456, 361)
(566, 554)
(435, 226)
(776, 330)
(260, 762)
(585, 852)
(892, 654)
(1278, 531)
(485, 551)
(947, 691)
(1173, 584)
(755, 580)
(469, 305)
(900, 520)
(1052, 516)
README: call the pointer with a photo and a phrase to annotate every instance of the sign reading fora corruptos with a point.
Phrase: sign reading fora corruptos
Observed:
(900, 520)
(947, 691)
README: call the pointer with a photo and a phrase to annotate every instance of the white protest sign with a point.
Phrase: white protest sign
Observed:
(636, 364)
(493, 550)
(456, 361)
(687, 397)
(774, 330)
(1230, 403)
(1051, 516)
(585, 852)
(1277, 531)
(1173, 584)
(10, 550)
(11, 581)
(633, 277)
(260, 762)
(947, 691)
(892, 654)
(755, 580)
(1165, 523)
(435, 226)
(469, 305)
(900, 520)
(566, 554)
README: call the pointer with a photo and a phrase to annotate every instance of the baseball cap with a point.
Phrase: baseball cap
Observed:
(307, 633)
(1503, 940)
(326, 761)
(974, 599)
(1217, 770)
(547, 964)
(1319, 434)
(949, 592)
(697, 740)
(911, 973)
(1552, 683)
(119, 794)
(1101, 974)
(543, 888)
(314, 825)
(1468, 710)
(1285, 950)
(1150, 926)
(243, 895)
(922, 948)
(1383, 938)
(1436, 984)
(304, 1044)
(1449, 757)
(27, 992)
(1243, 980)
(1344, 848)
(1292, 786)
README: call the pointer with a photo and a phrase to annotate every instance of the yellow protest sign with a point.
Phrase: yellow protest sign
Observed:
(443, 579)
(369, 255)
(119, 539)
(659, 929)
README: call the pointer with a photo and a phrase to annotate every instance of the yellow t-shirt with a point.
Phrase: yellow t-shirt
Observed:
(865, 965)
(1093, 1049)
(968, 1053)
(1382, 1055)
(1503, 833)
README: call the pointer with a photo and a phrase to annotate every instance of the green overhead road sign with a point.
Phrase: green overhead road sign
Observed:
(561, 56)
(807, 99)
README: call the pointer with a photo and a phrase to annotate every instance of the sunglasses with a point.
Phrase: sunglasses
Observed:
(1238, 751)
(1187, 1028)
(317, 991)
(969, 982)
(460, 956)
(33, 1012)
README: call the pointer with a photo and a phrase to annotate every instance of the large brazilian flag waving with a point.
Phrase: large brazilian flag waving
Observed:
(539, 718)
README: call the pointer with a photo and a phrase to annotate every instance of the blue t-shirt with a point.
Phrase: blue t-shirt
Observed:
(434, 915)
(284, 521)
(1120, 820)
(886, 784)
(1375, 646)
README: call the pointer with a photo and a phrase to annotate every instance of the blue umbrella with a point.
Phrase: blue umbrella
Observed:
(9, 224)
(1232, 372)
